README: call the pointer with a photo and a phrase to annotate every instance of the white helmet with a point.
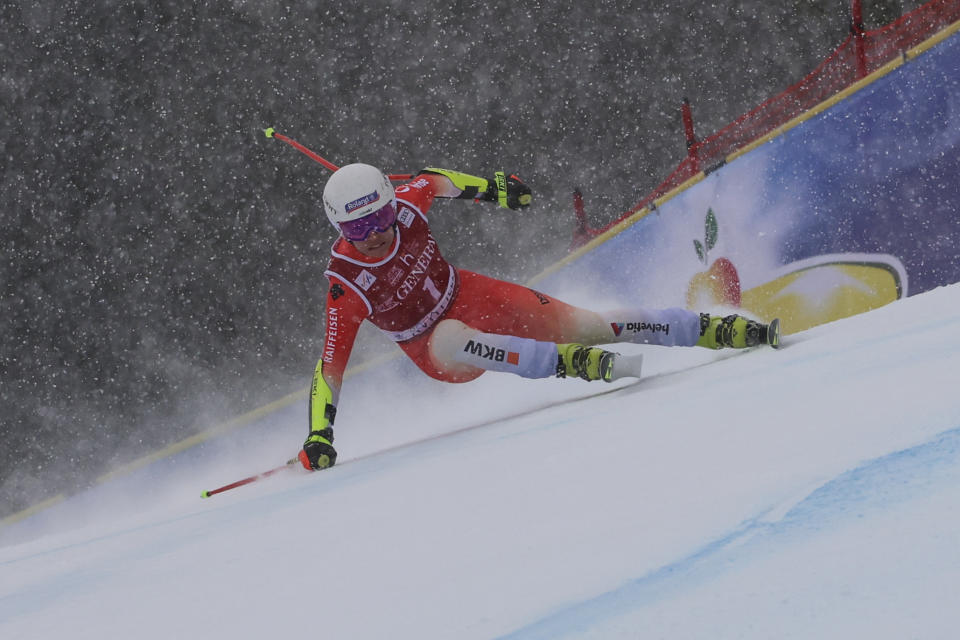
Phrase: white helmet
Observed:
(354, 191)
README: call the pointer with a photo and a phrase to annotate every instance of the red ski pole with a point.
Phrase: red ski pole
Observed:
(271, 133)
(248, 480)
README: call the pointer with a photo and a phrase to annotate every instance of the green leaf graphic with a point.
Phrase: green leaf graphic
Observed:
(700, 251)
(711, 229)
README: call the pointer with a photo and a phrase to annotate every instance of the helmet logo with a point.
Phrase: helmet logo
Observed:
(362, 202)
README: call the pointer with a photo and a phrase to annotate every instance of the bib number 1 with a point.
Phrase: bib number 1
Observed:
(430, 287)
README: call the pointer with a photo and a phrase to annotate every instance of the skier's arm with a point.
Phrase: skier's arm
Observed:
(507, 191)
(345, 313)
(318, 451)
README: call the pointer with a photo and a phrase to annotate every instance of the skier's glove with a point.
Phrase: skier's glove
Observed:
(508, 191)
(318, 451)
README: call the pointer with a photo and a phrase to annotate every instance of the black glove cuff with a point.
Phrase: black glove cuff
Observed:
(326, 434)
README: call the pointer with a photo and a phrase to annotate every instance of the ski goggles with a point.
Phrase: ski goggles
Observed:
(360, 229)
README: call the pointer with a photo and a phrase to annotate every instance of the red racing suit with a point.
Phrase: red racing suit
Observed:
(407, 292)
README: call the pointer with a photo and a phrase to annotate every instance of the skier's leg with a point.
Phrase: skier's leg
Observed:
(455, 352)
(682, 328)
(495, 325)
(443, 368)
(454, 346)
(501, 326)
(497, 306)
(672, 327)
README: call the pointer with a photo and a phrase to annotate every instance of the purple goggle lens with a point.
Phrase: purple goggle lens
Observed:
(360, 229)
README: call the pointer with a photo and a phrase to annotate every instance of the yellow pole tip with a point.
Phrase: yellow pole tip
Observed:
(204, 495)
(269, 132)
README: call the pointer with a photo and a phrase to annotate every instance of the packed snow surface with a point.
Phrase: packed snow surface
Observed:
(810, 492)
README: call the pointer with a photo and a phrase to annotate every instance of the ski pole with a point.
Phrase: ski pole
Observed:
(249, 479)
(272, 133)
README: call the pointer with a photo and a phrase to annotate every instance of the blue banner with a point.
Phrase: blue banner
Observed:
(853, 208)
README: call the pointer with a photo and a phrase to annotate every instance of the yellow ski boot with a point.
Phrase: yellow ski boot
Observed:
(737, 332)
(593, 363)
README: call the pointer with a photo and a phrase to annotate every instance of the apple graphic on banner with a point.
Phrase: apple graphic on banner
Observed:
(720, 283)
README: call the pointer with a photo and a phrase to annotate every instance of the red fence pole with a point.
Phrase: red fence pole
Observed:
(856, 28)
(583, 233)
(693, 145)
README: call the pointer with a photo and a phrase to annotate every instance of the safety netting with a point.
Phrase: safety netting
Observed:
(859, 55)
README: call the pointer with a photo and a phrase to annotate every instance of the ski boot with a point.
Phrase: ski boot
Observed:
(737, 332)
(593, 363)
(589, 363)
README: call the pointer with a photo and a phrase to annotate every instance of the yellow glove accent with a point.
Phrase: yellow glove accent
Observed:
(471, 186)
(322, 411)
(501, 188)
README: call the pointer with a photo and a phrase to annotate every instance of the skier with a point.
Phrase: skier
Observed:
(455, 324)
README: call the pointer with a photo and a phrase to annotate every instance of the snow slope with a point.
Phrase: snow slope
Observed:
(810, 492)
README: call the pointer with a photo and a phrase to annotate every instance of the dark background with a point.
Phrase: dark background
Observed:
(162, 260)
